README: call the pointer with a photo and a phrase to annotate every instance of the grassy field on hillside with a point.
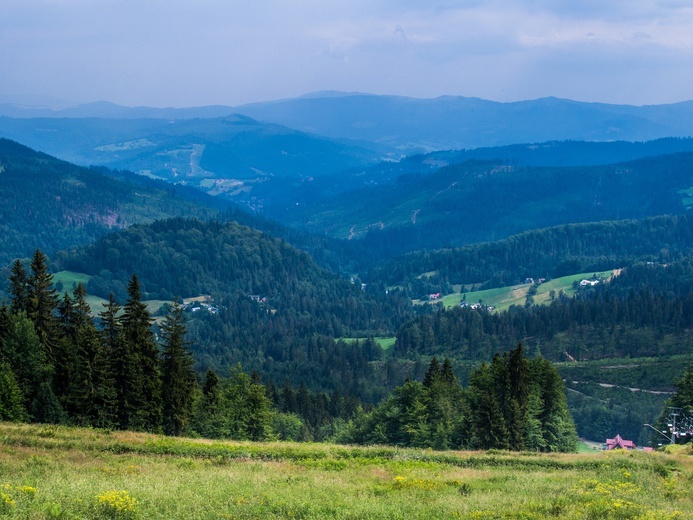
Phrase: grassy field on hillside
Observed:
(384, 342)
(60, 472)
(503, 297)
(68, 280)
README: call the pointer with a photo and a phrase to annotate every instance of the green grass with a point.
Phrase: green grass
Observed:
(70, 279)
(384, 342)
(686, 196)
(503, 297)
(60, 472)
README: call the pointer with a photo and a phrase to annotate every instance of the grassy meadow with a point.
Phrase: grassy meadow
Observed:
(61, 472)
(502, 298)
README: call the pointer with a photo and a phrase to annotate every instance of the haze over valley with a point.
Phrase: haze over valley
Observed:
(379, 261)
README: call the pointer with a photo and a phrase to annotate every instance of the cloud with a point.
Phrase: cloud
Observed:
(179, 52)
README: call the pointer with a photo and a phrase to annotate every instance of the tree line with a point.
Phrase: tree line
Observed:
(546, 253)
(58, 366)
(511, 403)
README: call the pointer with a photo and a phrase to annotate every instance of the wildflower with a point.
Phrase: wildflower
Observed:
(117, 502)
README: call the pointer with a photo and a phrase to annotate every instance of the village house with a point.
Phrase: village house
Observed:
(619, 443)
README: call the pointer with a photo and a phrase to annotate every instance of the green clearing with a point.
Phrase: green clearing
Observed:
(502, 298)
(687, 196)
(384, 342)
(61, 472)
(70, 280)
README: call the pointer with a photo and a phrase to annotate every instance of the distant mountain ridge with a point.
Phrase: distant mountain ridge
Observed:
(409, 125)
(196, 151)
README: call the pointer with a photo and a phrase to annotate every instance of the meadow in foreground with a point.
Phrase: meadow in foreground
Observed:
(61, 472)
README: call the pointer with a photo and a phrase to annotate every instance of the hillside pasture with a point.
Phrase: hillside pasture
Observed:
(502, 298)
(61, 472)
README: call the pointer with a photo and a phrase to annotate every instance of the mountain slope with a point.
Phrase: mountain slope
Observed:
(278, 312)
(51, 204)
(409, 125)
(487, 200)
(218, 154)
(452, 122)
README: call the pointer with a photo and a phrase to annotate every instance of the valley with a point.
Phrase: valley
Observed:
(356, 261)
(379, 269)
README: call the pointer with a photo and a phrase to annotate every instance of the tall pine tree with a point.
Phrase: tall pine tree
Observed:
(178, 376)
(41, 305)
(145, 395)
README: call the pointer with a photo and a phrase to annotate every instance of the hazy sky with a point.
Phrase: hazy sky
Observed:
(200, 52)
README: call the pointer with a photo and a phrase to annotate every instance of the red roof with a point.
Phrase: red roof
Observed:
(618, 442)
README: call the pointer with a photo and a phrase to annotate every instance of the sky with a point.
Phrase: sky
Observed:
(230, 52)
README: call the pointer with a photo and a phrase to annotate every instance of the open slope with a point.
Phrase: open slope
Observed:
(61, 472)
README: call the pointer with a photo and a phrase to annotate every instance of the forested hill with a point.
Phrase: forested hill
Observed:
(545, 253)
(481, 201)
(278, 312)
(51, 204)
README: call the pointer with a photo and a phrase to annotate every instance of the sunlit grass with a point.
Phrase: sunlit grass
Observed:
(59, 472)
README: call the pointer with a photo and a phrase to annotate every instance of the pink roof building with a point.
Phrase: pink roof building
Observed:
(617, 442)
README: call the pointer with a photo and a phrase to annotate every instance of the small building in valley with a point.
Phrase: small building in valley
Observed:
(619, 443)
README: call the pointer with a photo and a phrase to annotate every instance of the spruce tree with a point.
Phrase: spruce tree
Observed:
(487, 420)
(433, 373)
(209, 411)
(145, 395)
(123, 362)
(92, 393)
(12, 406)
(518, 377)
(23, 353)
(64, 354)
(178, 377)
(42, 303)
(4, 324)
(18, 289)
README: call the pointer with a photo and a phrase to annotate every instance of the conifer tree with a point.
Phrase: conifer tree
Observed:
(18, 290)
(209, 411)
(42, 303)
(248, 410)
(123, 362)
(515, 406)
(11, 397)
(433, 373)
(4, 324)
(46, 408)
(23, 353)
(487, 420)
(92, 396)
(64, 355)
(447, 373)
(178, 377)
(145, 394)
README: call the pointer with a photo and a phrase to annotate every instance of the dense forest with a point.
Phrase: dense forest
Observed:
(512, 403)
(645, 311)
(546, 253)
(52, 204)
(278, 312)
(480, 201)
(286, 305)
(57, 366)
